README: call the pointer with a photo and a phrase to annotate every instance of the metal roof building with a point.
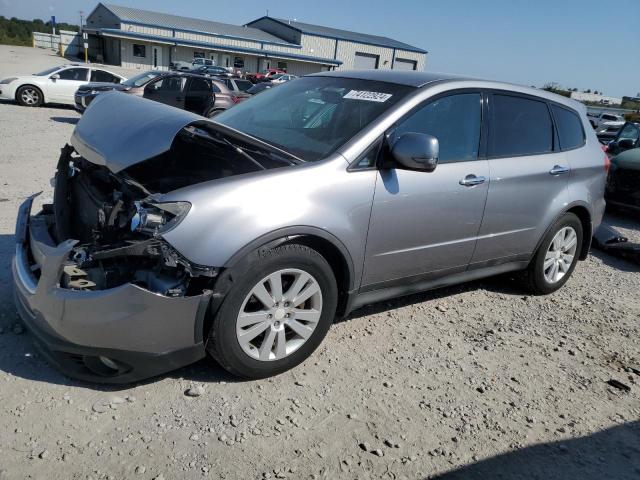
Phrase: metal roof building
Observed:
(142, 39)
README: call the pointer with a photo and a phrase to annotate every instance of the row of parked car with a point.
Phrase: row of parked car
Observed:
(204, 65)
(205, 90)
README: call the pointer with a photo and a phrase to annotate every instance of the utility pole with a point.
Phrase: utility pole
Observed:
(85, 39)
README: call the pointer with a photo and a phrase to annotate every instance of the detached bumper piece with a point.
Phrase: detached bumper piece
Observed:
(611, 241)
(115, 335)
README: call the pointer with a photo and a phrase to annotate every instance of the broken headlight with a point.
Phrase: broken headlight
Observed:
(155, 218)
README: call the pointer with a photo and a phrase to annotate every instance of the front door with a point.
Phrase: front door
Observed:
(529, 178)
(63, 88)
(168, 90)
(424, 225)
(156, 57)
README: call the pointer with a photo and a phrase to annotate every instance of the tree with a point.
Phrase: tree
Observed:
(14, 31)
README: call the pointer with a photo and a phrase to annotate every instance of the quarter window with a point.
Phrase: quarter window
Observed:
(78, 74)
(139, 50)
(569, 128)
(454, 120)
(519, 126)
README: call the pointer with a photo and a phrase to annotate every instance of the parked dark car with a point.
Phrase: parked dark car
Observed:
(135, 85)
(626, 139)
(212, 71)
(623, 182)
(194, 93)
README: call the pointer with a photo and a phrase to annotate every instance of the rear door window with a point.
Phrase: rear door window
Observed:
(629, 131)
(519, 126)
(569, 128)
(454, 120)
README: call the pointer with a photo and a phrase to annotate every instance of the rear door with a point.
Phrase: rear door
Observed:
(63, 89)
(168, 90)
(424, 225)
(199, 95)
(529, 178)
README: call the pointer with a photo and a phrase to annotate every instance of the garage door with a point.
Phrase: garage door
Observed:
(404, 64)
(366, 61)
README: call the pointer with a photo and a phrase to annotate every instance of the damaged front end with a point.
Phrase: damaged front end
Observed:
(118, 225)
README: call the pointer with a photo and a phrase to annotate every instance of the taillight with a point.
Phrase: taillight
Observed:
(607, 163)
(235, 99)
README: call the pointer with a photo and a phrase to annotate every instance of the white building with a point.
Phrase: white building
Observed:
(595, 98)
(141, 39)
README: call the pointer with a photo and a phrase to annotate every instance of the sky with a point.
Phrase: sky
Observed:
(576, 43)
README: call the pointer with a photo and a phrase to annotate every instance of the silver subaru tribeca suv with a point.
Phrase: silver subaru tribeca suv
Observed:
(171, 236)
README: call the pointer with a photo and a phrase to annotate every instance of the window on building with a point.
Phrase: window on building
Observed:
(404, 64)
(454, 120)
(519, 126)
(198, 54)
(139, 50)
(79, 74)
(102, 76)
(238, 62)
(569, 128)
(282, 66)
(366, 61)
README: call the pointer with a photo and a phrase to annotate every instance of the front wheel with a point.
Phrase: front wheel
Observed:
(29, 96)
(556, 257)
(276, 314)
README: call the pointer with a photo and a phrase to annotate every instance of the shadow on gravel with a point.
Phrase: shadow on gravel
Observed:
(610, 454)
(70, 120)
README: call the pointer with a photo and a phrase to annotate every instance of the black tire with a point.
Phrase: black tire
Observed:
(33, 92)
(223, 344)
(214, 112)
(535, 279)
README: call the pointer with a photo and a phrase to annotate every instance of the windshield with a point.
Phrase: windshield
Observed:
(313, 116)
(47, 71)
(140, 80)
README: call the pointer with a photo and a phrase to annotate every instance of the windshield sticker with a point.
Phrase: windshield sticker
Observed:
(368, 96)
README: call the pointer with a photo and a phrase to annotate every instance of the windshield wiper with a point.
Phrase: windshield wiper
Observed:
(206, 135)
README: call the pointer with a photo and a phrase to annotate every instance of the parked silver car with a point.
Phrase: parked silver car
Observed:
(171, 235)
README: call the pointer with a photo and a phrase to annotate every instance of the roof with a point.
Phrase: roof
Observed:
(402, 77)
(147, 17)
(114, 32)
(344, 34)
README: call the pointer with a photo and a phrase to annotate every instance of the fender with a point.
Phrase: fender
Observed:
(586, 237)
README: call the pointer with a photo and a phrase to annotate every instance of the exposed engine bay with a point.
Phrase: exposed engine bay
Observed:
(118, 223)
(118, 219)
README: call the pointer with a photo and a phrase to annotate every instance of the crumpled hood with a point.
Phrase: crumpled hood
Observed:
(121, 130)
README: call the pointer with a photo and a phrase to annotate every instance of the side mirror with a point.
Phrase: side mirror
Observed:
(55, 76)
(416, 151)
(626, 144)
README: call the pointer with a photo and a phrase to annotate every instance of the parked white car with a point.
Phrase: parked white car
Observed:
(282, 78)
(597, 119)
(54, 85)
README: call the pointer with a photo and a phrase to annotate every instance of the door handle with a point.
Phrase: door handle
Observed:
(471, 180)
(559, 170)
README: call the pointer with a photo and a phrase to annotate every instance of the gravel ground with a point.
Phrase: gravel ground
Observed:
(475, 381)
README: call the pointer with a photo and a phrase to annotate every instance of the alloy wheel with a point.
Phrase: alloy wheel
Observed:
(30, 96)
(560, 254)
(279, 314)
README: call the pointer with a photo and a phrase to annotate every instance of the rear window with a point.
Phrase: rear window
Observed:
(569, 128)
(519, 126)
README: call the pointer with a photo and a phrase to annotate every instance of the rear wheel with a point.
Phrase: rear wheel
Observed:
(556, 257)
(29, 96)
(275, 315)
